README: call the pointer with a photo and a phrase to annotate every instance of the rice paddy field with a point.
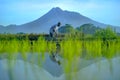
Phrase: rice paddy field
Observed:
(68, 59)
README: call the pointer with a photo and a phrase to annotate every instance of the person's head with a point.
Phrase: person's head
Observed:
(59, 24)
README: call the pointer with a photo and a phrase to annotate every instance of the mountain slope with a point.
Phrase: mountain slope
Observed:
(43, 24)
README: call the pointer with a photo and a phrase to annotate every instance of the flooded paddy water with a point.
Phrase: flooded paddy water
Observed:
(64, 60)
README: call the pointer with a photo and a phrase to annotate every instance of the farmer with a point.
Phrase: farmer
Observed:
(54, 30)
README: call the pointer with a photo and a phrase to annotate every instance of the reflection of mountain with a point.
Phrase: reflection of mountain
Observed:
(23, 70)
(52, 17)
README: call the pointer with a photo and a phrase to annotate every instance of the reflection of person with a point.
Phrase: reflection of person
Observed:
(54, 56)
(54, 30)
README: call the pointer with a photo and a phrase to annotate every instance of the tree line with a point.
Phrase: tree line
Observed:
(84, 31)
(90, 30)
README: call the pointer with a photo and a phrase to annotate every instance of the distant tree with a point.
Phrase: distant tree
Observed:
(66, 29)
(87, 28)
(21, 33)
(106, 33)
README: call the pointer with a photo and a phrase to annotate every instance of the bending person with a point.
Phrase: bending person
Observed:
(54, 30)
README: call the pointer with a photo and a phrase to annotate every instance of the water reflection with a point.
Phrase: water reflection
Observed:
(24, 70)
(55, 55)
(66, 60)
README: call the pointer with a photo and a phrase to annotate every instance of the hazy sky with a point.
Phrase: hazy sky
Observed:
(23, 11)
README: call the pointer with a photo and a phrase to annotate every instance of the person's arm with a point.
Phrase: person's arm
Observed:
(56, 32)
(53, 29)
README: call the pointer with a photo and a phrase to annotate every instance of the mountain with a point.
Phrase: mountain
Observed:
(43, 24)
